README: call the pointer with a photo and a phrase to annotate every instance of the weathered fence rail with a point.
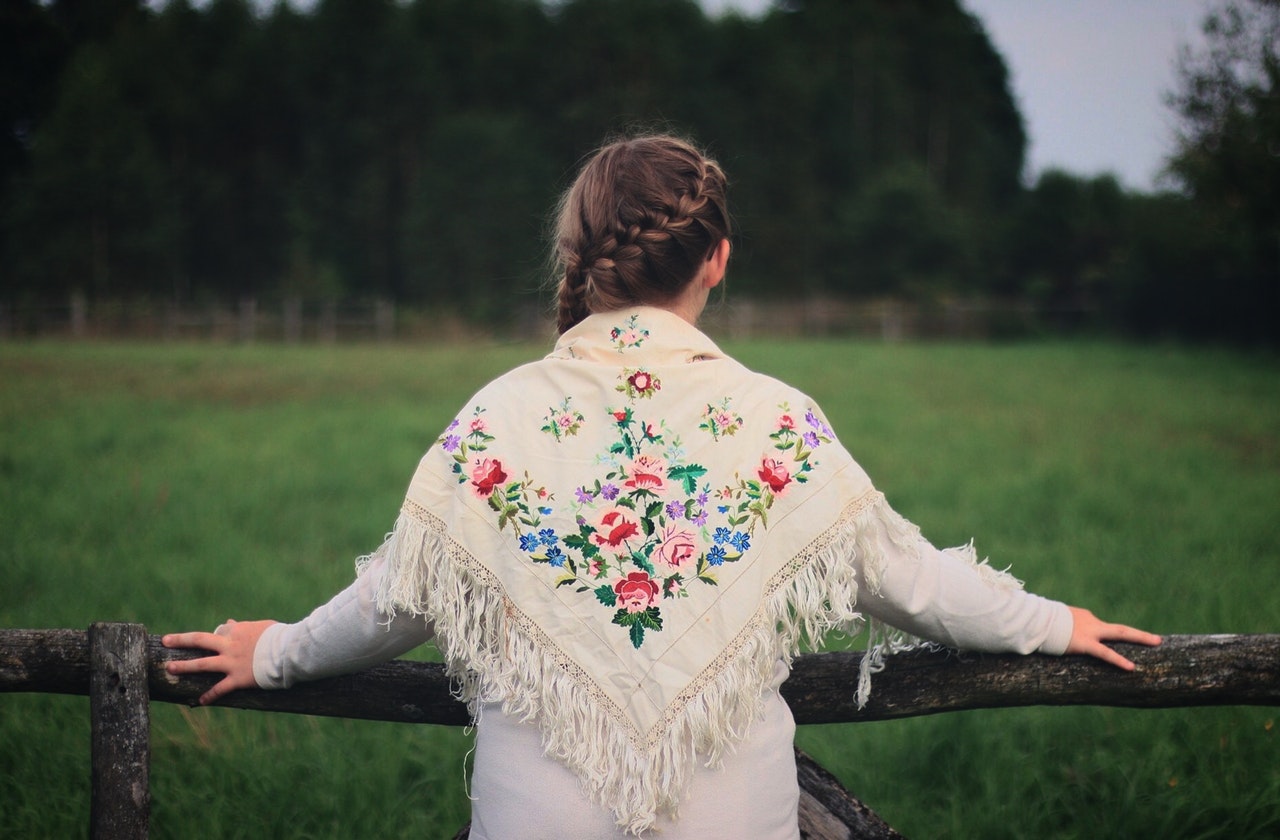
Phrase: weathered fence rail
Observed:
(122, 671)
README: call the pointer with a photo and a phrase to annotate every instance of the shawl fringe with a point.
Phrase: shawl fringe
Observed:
(495, 654)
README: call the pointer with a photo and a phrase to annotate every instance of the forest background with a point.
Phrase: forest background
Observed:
(410, 151)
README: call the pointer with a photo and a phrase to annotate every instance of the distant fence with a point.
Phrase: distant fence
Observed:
(122, 669)
(295, 320)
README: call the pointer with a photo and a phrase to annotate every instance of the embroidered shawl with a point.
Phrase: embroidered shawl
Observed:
(618, 542)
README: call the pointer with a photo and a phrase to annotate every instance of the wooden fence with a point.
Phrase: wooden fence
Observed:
(122, 670)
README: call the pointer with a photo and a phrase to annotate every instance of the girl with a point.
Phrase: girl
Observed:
(619, 548)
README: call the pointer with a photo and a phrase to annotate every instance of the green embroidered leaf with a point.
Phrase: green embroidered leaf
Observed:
(565, 580)
(606, 595)
(624, 501)
(653, 510)
(707, 577)
(646, 525)
(642, 562)
(637, 634)
(688, 475)
(578, 541)
(650, 618)
(622, 618)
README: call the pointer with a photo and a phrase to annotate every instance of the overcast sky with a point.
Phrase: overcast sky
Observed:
(1090, 77)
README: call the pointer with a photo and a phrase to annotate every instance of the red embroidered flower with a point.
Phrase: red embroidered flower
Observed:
(647, 473)
(637, 592)
(620, 416)
(643, 382)
(615, 526)
(773, 473)
(486, 474)
(786, 422)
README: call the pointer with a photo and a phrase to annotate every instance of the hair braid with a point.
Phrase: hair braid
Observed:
(636, 226)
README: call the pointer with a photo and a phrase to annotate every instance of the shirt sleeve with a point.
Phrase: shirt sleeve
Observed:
(946, 597)
(344, 635)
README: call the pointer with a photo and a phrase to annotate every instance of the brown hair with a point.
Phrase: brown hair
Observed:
(639, 221)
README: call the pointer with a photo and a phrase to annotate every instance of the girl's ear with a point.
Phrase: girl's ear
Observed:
(716, 264)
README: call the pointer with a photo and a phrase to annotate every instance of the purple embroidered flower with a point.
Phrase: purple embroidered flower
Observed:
(548, 537)
(528, 542)
(700, 519)
(740, 541)
(584, 495)
(721, 536)
(452, 425)
(675, 510)
(451, 441)
(609, 491)
(811, 438)
(702, 498)
(715, 555)
(812, 419)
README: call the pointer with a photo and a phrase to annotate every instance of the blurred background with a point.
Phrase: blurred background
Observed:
(332, 168)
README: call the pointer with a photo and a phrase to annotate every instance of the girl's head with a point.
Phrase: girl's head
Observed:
(636, 227)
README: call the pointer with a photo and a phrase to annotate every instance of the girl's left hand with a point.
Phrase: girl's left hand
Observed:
(232, 644)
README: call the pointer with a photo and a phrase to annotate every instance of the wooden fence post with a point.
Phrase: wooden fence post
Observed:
(120, 802)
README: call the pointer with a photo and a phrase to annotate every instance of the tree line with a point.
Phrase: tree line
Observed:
(412, 150)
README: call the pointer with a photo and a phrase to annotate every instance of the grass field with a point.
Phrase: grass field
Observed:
(180, 485)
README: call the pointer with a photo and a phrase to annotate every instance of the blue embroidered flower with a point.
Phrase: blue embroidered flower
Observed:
(545, 511)
(528, 542)
(548, 537)
(675, 510)
(721, 536)
(555, 556)
(722, 508)
(715, 555)
(740, 541)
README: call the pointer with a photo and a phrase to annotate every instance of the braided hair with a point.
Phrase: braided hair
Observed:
(636, 226)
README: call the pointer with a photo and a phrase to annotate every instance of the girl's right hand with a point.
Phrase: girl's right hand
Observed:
(232, 644)
(1088, 632)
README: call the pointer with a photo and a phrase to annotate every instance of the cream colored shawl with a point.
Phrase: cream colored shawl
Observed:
(618, 542)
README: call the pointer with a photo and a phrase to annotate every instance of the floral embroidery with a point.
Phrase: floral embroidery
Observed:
(638, 383)
(645, 530)
(776, 473)
(629, 336)
(720, 420)
(563, 421)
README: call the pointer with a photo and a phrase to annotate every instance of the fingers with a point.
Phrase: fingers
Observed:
(1088, 634)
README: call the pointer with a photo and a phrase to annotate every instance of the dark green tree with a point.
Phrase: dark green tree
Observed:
(1228, 161)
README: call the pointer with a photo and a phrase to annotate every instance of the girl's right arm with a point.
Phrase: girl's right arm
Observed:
(344, 635)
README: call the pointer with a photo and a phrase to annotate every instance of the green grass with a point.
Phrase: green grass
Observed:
(180, 485)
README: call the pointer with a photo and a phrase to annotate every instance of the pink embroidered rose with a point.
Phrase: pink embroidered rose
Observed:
(637, 592)
(786, 421)
(615, 526)
(486, 473)
(647, 473)
(773, 473)
(478, 425)
(676, 547)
